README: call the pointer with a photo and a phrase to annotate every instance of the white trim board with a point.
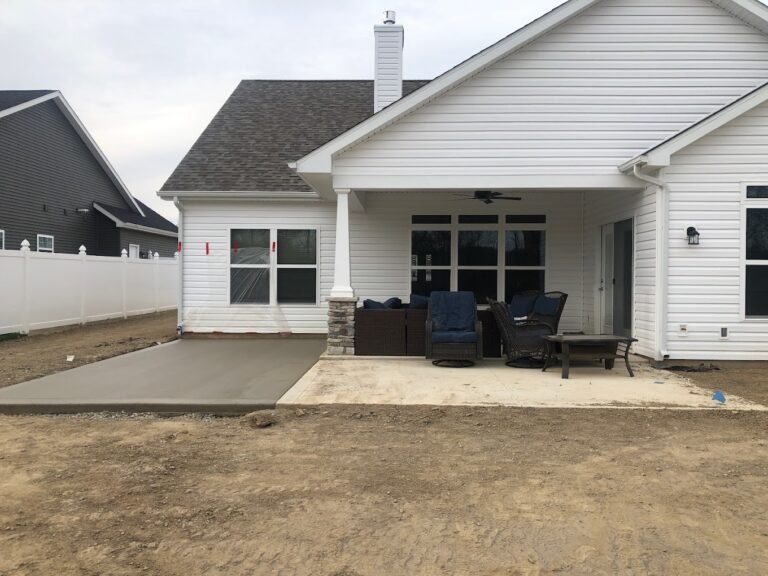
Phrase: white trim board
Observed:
(661, 154)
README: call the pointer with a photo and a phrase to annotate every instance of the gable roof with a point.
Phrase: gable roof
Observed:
(12, 98)
(19, 100)
(152, 221)
(264, 125)
(660, 154)
(319, 161)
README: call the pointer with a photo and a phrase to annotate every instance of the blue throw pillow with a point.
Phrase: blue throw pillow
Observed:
(522, 305)
(419, 302)
(546, 306)
(373, 305)
(453, 311)
(394, 303)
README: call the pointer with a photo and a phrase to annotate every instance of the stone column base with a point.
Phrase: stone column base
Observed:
(341, 326)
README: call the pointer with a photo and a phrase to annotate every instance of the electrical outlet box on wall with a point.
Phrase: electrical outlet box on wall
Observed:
(683, 331)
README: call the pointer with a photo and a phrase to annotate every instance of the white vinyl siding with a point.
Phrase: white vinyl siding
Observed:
(706, 183)
(380, 242)
(601, 88)
(607, 208)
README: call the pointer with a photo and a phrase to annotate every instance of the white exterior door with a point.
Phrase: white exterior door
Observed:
(133, 250)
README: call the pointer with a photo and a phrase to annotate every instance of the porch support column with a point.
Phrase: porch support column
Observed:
(342, 301)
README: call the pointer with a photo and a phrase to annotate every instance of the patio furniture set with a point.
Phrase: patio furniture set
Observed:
(449, 329)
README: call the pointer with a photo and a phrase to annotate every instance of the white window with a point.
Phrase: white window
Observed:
(2, 239)
(490, 255)
(273, 266)
(44, 243)
(755, 250)
(133, 250)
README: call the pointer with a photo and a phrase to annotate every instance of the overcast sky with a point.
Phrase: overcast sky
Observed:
(146, 76)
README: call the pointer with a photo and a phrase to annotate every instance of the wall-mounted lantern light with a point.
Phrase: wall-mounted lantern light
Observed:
(693, 236)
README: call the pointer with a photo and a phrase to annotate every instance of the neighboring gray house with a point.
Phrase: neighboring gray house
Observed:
(58, 190)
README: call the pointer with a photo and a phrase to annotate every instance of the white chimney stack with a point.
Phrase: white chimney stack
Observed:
(388, 73)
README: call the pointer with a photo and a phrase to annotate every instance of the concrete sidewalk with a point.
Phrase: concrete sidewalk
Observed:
(415, 381)
(218, 376)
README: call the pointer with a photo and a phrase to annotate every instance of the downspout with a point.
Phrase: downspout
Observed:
(180, 288)
(661, 260)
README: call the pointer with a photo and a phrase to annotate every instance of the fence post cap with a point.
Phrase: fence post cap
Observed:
(81, 250)
(156, 256)
(123, 253)
(176, 254)
(25, 245)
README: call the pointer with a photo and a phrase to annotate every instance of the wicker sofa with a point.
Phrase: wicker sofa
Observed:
(402, 332)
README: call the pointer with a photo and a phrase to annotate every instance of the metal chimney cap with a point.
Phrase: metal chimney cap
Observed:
(389, 17)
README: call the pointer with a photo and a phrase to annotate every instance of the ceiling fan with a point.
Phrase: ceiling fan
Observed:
(489, 196)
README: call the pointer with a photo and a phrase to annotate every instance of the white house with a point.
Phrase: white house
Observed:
(620, 125)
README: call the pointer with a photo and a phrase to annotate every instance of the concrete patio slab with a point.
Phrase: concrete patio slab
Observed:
(491, 383)
(216, 376)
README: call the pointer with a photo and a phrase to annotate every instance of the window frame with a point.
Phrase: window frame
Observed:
(746, 205)
(45, 250)
(273, 266)
(501, 267)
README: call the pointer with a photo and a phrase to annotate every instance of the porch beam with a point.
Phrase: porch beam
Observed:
(342, 272)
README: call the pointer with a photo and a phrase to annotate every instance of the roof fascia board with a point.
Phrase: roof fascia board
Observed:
(235, 194)
(320, 160)
(752, 8)
(661, 155)
(90, 143)
(149, 229)
(29, 104)
(108, 214)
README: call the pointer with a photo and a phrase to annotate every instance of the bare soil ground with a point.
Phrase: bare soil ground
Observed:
(746, 379)
(387, 490)
(46, 352)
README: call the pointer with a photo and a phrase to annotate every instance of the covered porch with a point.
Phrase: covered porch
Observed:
(598, 246)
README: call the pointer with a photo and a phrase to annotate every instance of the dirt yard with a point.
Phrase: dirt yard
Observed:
(46, 352)
(746, 379)
(390, 491)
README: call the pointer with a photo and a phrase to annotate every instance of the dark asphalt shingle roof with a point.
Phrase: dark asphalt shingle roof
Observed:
(11, 98)
(267, 123)
(152, 220)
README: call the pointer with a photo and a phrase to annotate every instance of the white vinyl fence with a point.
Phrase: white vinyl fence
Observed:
(44, 290)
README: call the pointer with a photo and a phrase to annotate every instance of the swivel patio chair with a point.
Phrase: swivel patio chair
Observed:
(522, 341)
(454, 334)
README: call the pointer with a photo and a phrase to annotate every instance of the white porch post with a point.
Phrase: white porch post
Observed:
(342, 274)
(342, 301)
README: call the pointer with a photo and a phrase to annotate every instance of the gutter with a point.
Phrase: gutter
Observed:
(180, 288)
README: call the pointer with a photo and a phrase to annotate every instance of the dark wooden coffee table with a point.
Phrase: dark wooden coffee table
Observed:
(605, 347)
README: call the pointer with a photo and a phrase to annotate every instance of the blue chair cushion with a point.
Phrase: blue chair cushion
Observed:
(373, 305)
(546, 306)
(394, 303)
(454, 337)
(453, 311)
(419, 302)
(521, 305)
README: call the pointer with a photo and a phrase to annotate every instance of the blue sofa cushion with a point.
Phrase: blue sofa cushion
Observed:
(419, 302)
(454, 337)
(394, 303)
(373, 305)
(522, 305)
(452, 311)
(546, 306)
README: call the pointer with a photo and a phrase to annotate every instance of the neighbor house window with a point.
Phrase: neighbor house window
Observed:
(44, 243)
(2, 239)
(484, 254)
(271, 266)
(756, 252)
